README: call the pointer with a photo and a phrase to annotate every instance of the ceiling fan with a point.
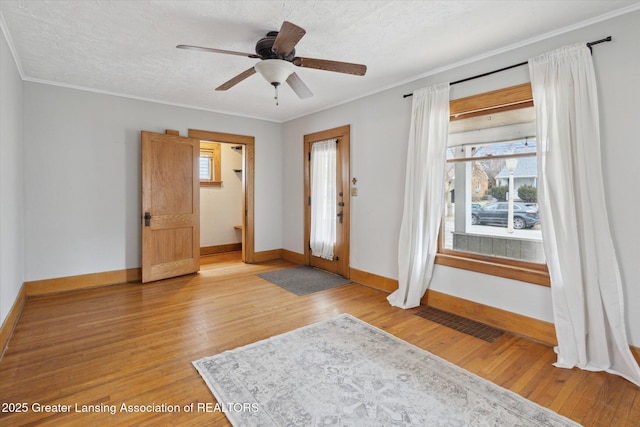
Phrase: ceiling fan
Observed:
(278, 61)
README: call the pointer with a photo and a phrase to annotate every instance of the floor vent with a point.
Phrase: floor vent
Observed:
(467, 326)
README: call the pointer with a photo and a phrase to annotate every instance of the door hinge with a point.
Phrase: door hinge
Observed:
(309, 155)
(309, 201)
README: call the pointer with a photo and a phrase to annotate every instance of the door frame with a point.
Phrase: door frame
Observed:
(342, 134)
(248, 181)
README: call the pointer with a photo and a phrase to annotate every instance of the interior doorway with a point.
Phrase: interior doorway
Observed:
(221, 198)
(327, 199)
(247, 172)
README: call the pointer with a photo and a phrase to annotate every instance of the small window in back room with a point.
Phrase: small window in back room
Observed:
(210, 164)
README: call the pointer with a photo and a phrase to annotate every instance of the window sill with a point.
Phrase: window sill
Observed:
(210, 183)
(537, 276)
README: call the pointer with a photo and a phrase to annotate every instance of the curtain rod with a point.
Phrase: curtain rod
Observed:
(606, 39)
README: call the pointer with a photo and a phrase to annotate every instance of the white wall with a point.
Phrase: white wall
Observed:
(82, 177)
(221, 207)
(380, 126)
(11, 182)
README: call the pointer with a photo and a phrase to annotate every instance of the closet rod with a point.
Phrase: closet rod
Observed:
(606, 39)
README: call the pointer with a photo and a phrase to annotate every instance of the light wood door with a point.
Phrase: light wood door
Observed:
(170, 206)
(340, 262)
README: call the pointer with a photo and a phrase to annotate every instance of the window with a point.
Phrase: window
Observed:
(210, 174)
(490, 221)
(206, 165)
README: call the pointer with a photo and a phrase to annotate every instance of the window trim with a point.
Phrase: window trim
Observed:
(510, 98)
(212, 149)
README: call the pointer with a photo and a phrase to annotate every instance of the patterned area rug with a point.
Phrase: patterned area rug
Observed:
(345, 372)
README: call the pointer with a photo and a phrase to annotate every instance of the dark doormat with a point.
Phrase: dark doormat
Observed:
(304, 280)
(462, 324)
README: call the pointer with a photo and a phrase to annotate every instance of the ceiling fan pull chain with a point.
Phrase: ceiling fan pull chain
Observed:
(276, 97)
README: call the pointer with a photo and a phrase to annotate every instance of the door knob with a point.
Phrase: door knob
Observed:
(147, 219)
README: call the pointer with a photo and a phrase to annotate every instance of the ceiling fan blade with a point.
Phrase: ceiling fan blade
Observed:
(210, 49)
(288, 36)
(324, 64)
(237, 79)
(298, 86)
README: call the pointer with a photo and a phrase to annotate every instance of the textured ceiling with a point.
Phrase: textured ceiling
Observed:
(129, 47)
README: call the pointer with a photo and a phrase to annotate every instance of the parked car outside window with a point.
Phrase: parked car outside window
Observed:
(524, 216)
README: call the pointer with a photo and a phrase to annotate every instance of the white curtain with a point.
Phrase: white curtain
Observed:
(586, 285)
(323, 199)
(423, 194)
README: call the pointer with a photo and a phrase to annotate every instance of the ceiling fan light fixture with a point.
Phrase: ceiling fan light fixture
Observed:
(275, 71)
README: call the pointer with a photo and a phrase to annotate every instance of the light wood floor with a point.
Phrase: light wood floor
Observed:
(134, 344)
